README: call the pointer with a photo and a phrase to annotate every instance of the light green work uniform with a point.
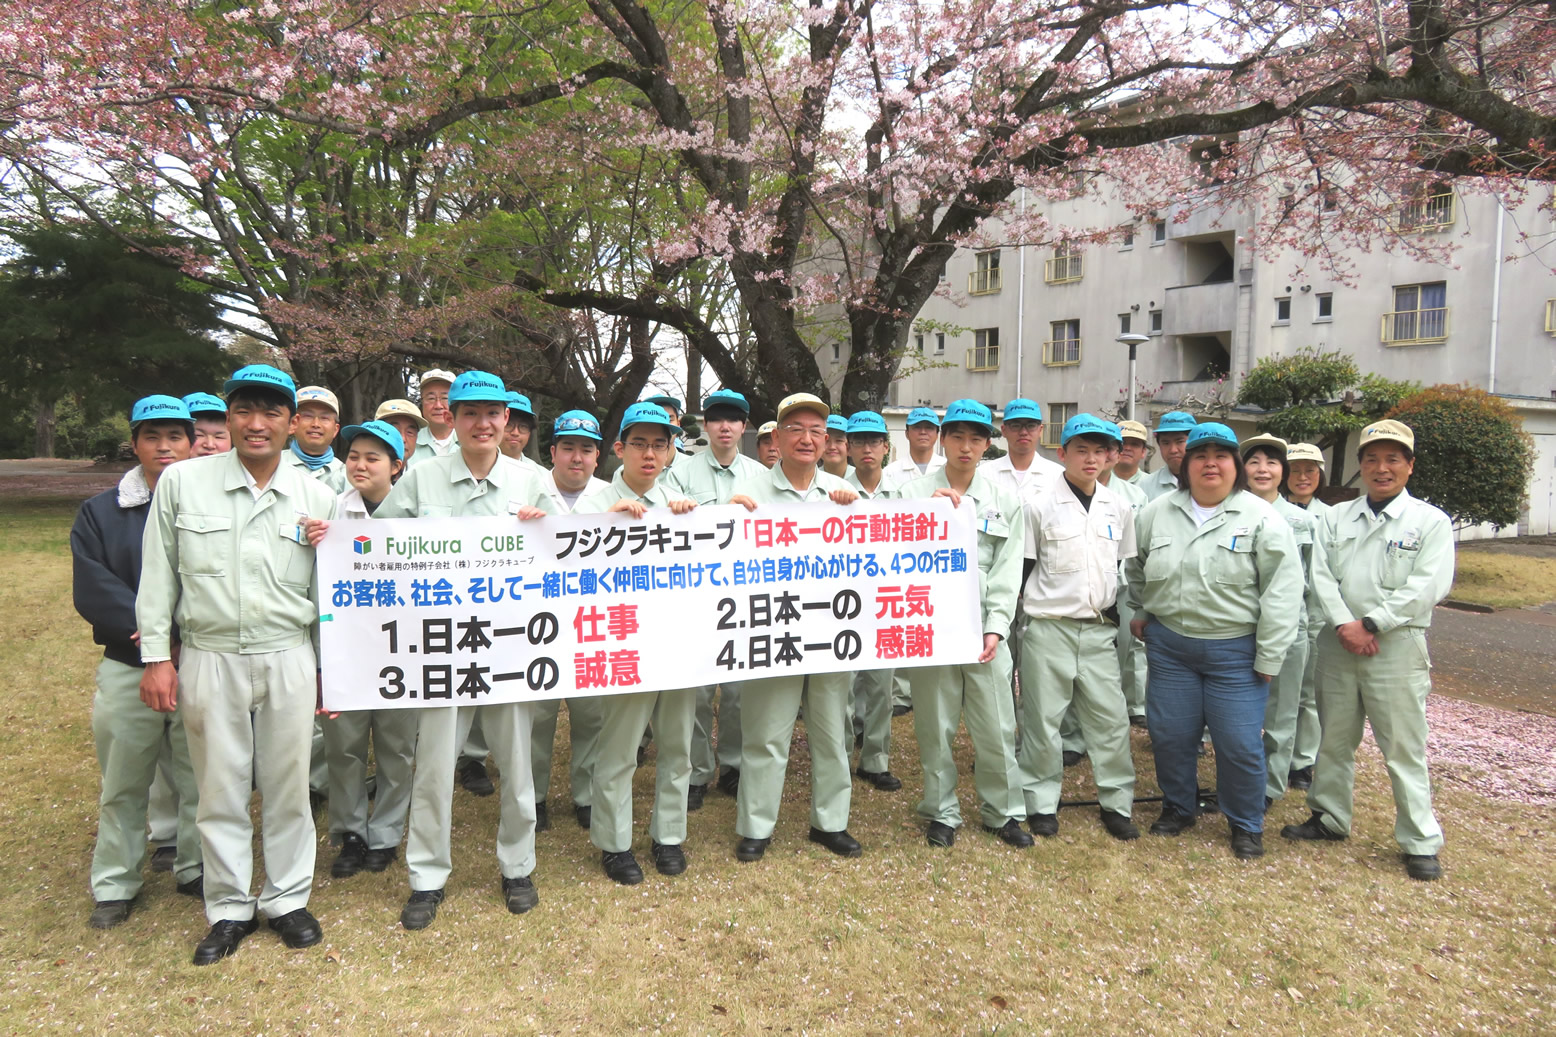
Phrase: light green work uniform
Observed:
(770, 708)
(1280, 712)
(870, 695)
(1131, 652)
(977, 693)
(1070, 661)
(1305, 750)
(705, 481)
(624, 718)
(1159, 483)
(427, 448)
(333, 475)
(583, 712)
(1393, 568)
(443, 487)
(233, 569)
(895, 475)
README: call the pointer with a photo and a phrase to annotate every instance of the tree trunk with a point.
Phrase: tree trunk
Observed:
(693, 379)
(43, 443)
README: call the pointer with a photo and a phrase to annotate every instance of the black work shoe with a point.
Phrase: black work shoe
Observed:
(668, 860)
(1172, 821)
(421, 908)
(729, 781)
(222, 940)
(642, 755)
(195, 887)
(298, 929)
(317, 801)
(1045, 825)
(1137, 720)
(751, 849)
(542, 816)
(1072, 758)
(621, 867)
(1300, 778)
(474, 779)
(695, 794)
(886, 781)
(1011, 834)
(582, 815)
(353, 851)
(521, 894)
(840, 843)
(901, 711)
(1119, 826)
(109, 913)
(941, 835)
(1423, 867)
(1311, 830)
(163, 858)
(379, 860)
(1247, 845)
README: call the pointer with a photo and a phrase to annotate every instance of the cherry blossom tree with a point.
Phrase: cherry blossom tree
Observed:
(823, 159)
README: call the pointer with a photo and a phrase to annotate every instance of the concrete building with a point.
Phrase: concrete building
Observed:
(1044, 323)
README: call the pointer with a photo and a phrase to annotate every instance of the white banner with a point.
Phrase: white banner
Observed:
(466, 611)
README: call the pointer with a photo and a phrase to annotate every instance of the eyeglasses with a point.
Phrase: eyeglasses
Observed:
(575, 425)
(643, 445)
(804, 431)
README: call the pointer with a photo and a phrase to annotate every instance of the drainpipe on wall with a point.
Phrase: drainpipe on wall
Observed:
(1496, 299)
(1021, 292)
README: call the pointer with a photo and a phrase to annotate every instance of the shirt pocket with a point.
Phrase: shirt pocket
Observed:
(1398, 565)
(1159, 563)
(708, 497)
(1234, 561)
(992, 535)
(435, 511)
(294, 565)
(1063, 549)
(203, 542)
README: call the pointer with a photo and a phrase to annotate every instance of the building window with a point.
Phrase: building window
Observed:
(1123, 323)
(1428, 208)
(1420, 314)
(1129, 239)
(1550, 316)
(1158, 232)
(985, 353)
(1053, 423)
(1063, 349)
(918, 343)
(1065, 265)
(1283, 310)
(1325, 303)
(985, 279)
(1156, 322)
(939, 342)
(837, 352)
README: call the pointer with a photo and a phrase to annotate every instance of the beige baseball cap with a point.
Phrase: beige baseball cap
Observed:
(437, 374)
(803, 401)
(1134, 430)
(766, 429)
(1265, 440)
(318, 394)
(1305, 452)
(1377, 432)
(400, 409)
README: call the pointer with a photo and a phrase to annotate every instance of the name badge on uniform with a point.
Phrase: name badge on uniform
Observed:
(294, 532)
(1411, 540)
(990, 515)
(514, 506)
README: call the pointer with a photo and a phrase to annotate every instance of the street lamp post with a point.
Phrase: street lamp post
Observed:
(1132, 339)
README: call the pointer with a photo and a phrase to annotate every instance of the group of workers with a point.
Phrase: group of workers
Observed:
(1216, 594)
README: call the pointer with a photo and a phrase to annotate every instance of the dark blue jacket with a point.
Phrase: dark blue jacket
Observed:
(105, 543)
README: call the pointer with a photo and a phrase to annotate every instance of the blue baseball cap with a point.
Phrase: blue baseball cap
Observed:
(726, 398)
(837, 423)
(1177, 421)
(669, 401)
(866, 421)
(921, 415)
(646, 413)
(477, 387)
(262, 376)
(205, 403)
(519, 402)
(378, 430)
(970, 411)
(159, 408)
(1023, 409)
(1088, 425)
(577, 423)
(1212, 432)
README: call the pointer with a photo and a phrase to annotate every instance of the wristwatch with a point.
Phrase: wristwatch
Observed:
(1369, 625)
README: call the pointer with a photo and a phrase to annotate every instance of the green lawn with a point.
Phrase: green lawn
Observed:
(1079, 935)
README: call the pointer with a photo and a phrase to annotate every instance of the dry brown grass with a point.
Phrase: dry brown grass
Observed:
(1504, 580)
(1079, 935)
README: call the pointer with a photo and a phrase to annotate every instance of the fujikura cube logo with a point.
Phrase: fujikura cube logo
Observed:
(362, 545)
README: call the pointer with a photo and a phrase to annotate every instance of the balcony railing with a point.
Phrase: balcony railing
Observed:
(1415, 327)
(1065, 269)
(986, 281)
(983, 358)
(1429, 213)
(1061, 352)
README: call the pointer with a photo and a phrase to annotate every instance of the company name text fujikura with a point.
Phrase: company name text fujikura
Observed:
(417, 546)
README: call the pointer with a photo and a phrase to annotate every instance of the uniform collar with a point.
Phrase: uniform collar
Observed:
(781, 481)
(284, 481)
(979, 489)
(133, 491)
(656, 493)
(461, 471)
(1393, 509)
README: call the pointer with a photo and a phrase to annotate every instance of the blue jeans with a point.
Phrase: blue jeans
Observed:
(1196, 683)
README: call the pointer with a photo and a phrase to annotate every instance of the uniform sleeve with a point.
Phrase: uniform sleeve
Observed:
(101, 597)
(1281, 586)
(1127, 546)
(1428, 583)
(402, 501)
(1033, 523)
(1134, 566)
(1004, 579)
(158, 594)
(1331, 606)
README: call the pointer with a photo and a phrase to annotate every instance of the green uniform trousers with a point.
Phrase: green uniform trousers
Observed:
(707, 755)
(1281, 714)
(1306, 750)
(1131, 661)
(249, 722)
(1070, 667)
(440, 733)
(474, 747)
(623, 718)
(979, 695)
(583, 737)
(392, 733)
(129, 736)
(901, 691)
(870, 696)
(769, 709)
(1388, 690)
(162, 810)
(318, 760)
